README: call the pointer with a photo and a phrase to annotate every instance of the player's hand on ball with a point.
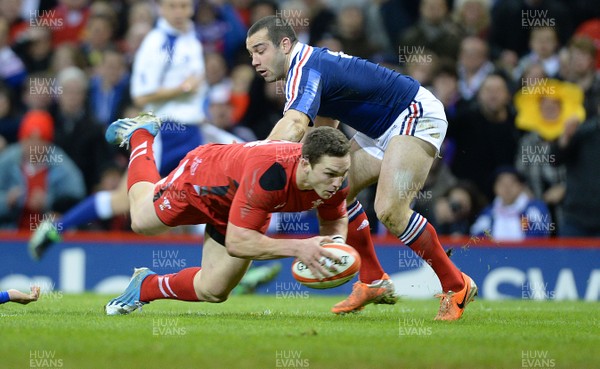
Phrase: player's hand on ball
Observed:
(317, 259)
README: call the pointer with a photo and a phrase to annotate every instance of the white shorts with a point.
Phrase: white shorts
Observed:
(424, 118)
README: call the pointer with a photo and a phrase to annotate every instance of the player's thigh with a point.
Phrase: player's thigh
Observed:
(220, 273)
(364, 169)
(144, 219)
(404, 169)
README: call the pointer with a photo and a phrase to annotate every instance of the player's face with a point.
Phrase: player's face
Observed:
(267, 59)
(326, 177)
(177, 13)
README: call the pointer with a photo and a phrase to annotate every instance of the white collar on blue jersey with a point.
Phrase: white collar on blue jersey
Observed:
(163, 25)
(295, 51)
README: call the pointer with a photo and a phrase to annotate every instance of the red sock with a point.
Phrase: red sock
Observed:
(177, 286)
(359, 237)
(142, 167)
(422, 238)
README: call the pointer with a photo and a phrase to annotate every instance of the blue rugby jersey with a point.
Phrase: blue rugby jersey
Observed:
(361, 94)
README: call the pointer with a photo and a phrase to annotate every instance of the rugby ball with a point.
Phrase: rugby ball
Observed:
(346, 269)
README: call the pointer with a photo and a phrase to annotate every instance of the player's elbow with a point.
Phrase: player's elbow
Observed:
(292, 130)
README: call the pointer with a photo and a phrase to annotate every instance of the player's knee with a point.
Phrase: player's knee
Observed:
(392, 215)
(139, 226)
(210, 296)
(384, 213)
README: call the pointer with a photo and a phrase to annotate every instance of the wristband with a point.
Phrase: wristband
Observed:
(338, 239)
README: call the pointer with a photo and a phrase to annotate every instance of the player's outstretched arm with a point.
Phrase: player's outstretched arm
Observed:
(24, 298)
(291, 127)
(250, 244)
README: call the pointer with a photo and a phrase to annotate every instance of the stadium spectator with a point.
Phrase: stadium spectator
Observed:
(109, 88)
(579, 149)
(260, 9)
(12, 69)
(264, 109)
(513, 215)
(438, 182)
(34, 47)
(9, 119)
(141, 12)
(321, 20)
(392, 147)
(543, 110)
(217, 74)
(444, 87)
(221, 115)
(581, 71)
(474, 66)
(38, 91)
(241, 80)
(546, 106)
(434, 30)
(458, 208)
(294, 13)
(352, 33)
(67, 55)
(472, 17)
(76, 131)
(220, 29)
(331, 43)
(98, 36)
(20, 297)
(484, 135)
(544, 178)
(543, 44)
(11, 11)
(67, 21)
(37, 176)
(133, 39)
(591, 29)
(421, 67)
(267, 176)
(396, 16)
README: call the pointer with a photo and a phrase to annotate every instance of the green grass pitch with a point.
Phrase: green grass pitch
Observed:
(71, 331)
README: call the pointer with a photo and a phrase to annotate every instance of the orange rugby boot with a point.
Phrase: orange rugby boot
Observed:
(380, 291)
(452, 304)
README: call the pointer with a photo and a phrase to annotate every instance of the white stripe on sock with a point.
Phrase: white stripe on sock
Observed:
(136, 155)
(160, 287)
(169, 286)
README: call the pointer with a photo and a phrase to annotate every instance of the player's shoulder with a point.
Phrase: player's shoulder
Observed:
(274, 161)
(324, 58)
(274, 178)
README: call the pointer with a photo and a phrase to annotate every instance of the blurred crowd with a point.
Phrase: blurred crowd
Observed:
(519, 80)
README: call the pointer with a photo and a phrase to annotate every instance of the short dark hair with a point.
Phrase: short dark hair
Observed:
(584, 44)
(323, 141)
(277, 29)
